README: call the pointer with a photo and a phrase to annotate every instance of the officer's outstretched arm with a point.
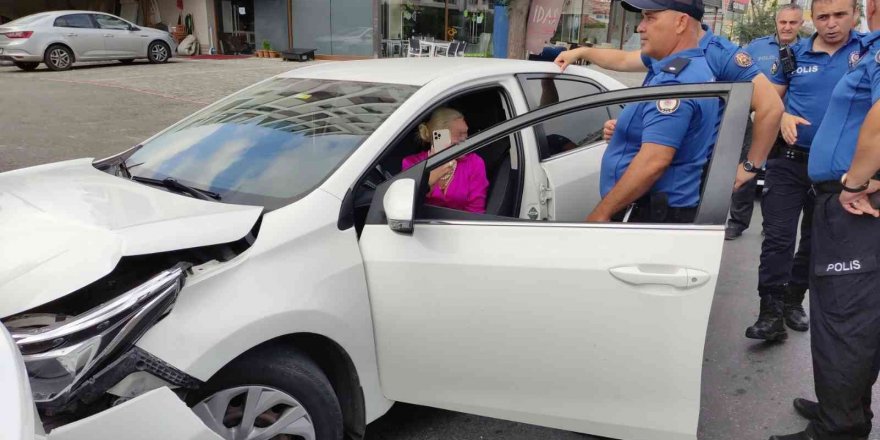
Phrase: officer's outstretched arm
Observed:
(611, 59)
(644, 170)
(768, 110)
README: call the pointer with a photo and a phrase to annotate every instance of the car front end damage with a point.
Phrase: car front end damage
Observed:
(74, 357)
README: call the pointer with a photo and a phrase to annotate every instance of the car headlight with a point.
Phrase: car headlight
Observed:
(60, 352)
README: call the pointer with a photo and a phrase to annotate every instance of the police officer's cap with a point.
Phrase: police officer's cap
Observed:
(694, 8)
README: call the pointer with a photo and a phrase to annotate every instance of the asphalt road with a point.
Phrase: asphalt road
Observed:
(98, 110)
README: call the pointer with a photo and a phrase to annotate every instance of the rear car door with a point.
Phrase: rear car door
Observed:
(591, 327)
(119, 40)
(80, 33)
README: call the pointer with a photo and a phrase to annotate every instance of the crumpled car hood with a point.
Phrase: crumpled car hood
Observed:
(67, 224)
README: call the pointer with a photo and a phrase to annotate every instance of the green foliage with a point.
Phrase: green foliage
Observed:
(267, 45)
(758, 20)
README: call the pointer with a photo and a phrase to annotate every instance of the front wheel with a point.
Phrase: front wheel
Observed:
(158, 52)
(27, 66)
(271, 393)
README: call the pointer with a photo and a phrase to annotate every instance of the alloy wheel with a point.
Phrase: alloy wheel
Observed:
(60, 58)
(255, 412)
(159, 53)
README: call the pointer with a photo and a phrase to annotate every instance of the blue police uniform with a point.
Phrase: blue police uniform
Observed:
(783, 275)
(765, 52)
(844, 302)
(727, 61)
(687, 125)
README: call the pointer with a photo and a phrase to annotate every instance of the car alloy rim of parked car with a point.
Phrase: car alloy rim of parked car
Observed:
(60, 58)
(159, 52)
(255, 411)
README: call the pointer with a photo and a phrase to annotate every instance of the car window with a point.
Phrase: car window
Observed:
(81, 21)
(273, 143)
(108, 22)
(543, 91)
(573, 130)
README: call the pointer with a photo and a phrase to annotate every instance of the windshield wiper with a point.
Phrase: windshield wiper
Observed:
(173, 184)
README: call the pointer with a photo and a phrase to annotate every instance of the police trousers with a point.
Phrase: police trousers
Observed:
(845, 318)
(789, 193)
(742, 203)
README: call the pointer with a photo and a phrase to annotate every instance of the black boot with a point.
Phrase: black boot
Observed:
(806, 408)
(769, 325)
(795, 317)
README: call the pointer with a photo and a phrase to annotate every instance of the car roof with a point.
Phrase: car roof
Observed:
(421, 71)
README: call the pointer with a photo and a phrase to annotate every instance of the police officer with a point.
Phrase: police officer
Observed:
(728, 63)
(764, 51)
(655, 158)
(821, 61)
(845, 276)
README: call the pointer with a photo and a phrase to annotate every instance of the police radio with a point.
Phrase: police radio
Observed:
(786, 59)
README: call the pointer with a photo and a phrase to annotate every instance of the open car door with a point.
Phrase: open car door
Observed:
(590, 327)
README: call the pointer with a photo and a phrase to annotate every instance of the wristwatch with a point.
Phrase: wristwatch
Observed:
(857, 189)
(749, 167)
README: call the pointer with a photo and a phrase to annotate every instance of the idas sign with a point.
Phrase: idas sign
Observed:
(543, 19)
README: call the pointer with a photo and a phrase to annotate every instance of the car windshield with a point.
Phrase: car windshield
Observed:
(271, 144)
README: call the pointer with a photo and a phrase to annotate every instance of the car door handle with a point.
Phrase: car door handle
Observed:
(72, 35)
(108, 35)
(676, 276)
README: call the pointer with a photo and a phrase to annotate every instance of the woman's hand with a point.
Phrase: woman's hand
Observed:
(439, 172)
(789, 125)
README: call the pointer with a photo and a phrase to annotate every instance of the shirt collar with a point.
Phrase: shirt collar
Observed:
(707, 37)
(657, 67)
(853, 36)
(774, 39)
(870, 38)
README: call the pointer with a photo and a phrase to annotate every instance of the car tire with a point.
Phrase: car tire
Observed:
(127, 61)
(298, 395)
(58, 58)
(27, 66)
(158, 52)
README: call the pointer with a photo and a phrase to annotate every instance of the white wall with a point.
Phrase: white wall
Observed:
(199, 10)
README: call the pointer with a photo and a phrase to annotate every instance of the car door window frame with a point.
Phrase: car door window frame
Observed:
(346, 214)
(714, 197)
(540, 135)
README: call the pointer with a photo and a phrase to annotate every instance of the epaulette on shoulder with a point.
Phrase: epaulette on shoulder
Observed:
(676, 66)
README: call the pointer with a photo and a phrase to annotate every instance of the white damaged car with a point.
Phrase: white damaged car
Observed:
(267, 263)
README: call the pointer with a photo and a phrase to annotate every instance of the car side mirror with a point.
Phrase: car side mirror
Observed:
(133, 28)
(398, 204)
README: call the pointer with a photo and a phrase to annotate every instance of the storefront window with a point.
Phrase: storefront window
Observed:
(622, 28)
(235, 30)
(334, 27)
(469, 21)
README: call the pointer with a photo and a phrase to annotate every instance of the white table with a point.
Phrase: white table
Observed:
(434, 45)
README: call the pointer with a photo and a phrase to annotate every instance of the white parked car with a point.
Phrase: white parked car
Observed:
(267, 260)
(61, 38)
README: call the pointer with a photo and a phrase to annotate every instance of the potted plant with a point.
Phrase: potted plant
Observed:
(264, 52)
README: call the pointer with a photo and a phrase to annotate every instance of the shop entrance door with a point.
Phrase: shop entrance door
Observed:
(235, 27)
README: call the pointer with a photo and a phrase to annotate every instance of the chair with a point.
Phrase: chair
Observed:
(450, 50)
(459, 52)
(416, 49)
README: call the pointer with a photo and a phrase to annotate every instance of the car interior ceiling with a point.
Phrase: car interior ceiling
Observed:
(482, 109)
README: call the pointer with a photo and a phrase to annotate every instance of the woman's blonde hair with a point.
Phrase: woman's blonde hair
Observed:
(439, 120)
